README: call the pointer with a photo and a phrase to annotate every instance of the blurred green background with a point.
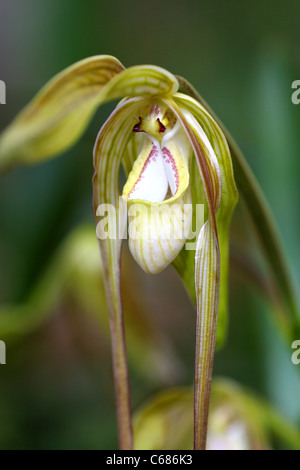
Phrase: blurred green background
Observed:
(56, 388)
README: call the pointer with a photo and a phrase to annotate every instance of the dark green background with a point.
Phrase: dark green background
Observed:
(56, 390)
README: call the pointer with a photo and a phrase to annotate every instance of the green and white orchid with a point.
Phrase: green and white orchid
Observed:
(175, 156)
(183, 158)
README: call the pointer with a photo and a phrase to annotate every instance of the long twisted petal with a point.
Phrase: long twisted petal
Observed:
(207, 283)
(228, 201)
(111, 142)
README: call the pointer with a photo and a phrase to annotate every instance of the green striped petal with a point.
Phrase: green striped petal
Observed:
(265, 229)
(207, 277)
(109, 148)
(58, 115)
(207, 273)
(142, 80)
(227, 203)
(207, 258)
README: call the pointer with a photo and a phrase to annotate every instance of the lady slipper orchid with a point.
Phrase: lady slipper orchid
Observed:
(160, 181)
(175, 157)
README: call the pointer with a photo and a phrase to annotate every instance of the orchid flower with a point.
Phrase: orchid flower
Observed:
(239, 420)
(172, 162)
(176, 157)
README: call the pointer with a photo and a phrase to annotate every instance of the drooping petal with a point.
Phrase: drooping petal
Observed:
(263, 221)
(207, 273)
(218, 143)
(111, 142)
(209, 155)
(207, 279)
(57, 117)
